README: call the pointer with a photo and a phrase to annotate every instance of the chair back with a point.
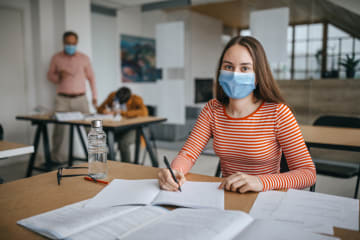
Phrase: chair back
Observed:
(1, 133)
(151, 110)
(338, 121)
(283, 164)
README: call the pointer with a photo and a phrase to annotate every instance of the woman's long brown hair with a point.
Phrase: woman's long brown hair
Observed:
(266, 89)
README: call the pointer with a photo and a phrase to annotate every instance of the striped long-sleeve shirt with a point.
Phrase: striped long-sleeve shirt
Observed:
(252, 145)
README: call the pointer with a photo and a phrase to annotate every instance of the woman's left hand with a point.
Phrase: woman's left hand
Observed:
(241, 182)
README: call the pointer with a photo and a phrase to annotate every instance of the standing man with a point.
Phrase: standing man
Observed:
(69, 70)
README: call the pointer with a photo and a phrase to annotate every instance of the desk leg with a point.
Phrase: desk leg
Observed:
(153, 157)
(110, 138)
(47, 148)
(82, 140)
(137, 145)
(33, 155)
(357, 184)
(71, 145)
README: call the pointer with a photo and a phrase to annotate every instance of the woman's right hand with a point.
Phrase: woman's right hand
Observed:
(167, 182)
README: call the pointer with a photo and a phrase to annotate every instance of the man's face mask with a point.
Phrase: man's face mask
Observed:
(237, 85)
(70, 49)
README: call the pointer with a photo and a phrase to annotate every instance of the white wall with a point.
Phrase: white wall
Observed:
(160, 93)
(105, 54)
(77, 18)
(130, 21)
(206, 47)
(202, 50)
(270, 28)
(44, 42)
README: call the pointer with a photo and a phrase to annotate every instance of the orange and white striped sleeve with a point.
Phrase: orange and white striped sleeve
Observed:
(302, 171)
(196, 142)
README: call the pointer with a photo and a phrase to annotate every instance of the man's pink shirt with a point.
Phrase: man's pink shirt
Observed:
(78, 68)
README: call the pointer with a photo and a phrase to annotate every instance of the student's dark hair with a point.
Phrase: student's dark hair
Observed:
(70, 33)
(123, 94)
(266, 88)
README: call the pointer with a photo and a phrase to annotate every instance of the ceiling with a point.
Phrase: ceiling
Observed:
(132, 3)
(118, 4)
(237, 13)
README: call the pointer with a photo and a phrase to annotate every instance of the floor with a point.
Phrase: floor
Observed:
(15, 168)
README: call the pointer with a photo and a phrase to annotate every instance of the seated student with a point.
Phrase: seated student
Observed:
(251, 126)
(129, 106)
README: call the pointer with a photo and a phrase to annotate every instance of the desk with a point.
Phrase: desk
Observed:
(38, 194)
(109, 126)
(337, 138)
(9, 149)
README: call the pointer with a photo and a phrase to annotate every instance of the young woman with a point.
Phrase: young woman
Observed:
(251, 127)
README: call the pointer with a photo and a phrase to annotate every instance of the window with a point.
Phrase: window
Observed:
(307, 46)
(305, 50)
(340, 44)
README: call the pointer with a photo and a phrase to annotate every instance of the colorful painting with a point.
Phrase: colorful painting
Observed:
(138, 59)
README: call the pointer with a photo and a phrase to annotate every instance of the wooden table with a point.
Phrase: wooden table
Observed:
(38, 194)
(10, 149)
(337, 138)
(109, 126)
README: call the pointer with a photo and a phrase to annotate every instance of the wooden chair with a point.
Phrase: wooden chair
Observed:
(333, 168)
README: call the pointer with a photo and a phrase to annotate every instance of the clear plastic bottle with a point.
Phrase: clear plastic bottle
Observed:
(97, 151)
(116, 107)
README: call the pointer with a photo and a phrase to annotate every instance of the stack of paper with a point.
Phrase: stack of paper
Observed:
(111, 214)
(90, 117)
(315, 212)
(149, 222)
(68, 116)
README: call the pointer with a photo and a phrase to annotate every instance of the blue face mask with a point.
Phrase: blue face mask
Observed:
(70, 49)
(237, 85)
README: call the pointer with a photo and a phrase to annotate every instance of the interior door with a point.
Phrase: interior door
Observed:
(13, 100)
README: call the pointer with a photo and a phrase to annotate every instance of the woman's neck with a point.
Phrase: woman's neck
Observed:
(239, 108)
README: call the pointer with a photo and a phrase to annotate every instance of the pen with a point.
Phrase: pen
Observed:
(95, 180)
(172, 173)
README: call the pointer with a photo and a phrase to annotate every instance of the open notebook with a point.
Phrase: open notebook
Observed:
(147, 192)
(151, 222)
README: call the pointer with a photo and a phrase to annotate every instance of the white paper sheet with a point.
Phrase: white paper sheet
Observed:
(275, 230)
(125, 192)
(200, 224)
(194, 194)
(314, 212)
(147, 192)
(68, 116)
(317, 209)
(65, 221)
(116, 227)
(266, 203)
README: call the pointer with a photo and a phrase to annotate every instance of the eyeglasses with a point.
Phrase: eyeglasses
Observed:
(60, 175)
